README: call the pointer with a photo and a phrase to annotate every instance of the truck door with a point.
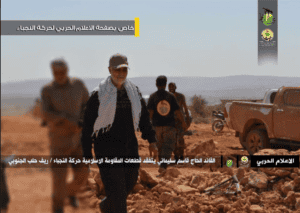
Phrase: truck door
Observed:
(287, 116)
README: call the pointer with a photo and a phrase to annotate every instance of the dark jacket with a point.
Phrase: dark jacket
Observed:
(5, 199)
(120, 140)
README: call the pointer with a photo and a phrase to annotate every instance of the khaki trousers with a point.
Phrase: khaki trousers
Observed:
(66, 147)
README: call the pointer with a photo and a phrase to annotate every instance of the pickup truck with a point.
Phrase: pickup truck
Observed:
(259, 124)
(268, 98)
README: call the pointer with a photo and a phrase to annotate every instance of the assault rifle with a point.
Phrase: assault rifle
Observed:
(233, 179)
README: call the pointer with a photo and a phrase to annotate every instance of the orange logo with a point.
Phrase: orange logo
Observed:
(163, 107)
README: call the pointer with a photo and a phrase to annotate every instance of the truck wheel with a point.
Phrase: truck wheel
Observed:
(217, 126)
(256, 140)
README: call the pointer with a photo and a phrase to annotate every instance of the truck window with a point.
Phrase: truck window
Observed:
(272, 97)
(292, 97)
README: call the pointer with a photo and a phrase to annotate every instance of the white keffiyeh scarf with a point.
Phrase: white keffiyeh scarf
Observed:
(107, 94)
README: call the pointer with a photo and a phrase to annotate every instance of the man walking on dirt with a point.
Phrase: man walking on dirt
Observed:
(180, 145)
(162, 106)
(63, 102)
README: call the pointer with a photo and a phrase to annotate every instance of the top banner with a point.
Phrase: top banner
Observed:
(70, 27)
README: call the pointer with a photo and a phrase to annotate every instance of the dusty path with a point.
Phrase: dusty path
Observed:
(30, 192)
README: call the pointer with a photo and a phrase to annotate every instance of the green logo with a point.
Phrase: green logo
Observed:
(267, 18)
(229, 163)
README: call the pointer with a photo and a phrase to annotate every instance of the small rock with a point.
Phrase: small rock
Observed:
(173, 172)
(178, 200)
(181, 189)
(293, 175)
(194, 207)
(254, 198)
(220, 200)
(138, 187)
(146, 179)
(244, 181)
(258, 180)
(166, 197)
(132, 211)
(271, 197)
(282, 173)
(290, 199)
(195, 181)
(288, 186)
(256, 208)
(163, 189)
(130, 202)
(155, 194)
(143, 192)
(297, 205)
(181, 209)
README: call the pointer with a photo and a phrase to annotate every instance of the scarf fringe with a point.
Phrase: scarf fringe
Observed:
(105, 90)
(102, 131)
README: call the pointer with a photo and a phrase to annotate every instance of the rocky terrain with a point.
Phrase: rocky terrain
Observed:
(181, 189)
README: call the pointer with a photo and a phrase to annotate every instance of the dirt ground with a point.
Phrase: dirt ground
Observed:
(30, 188)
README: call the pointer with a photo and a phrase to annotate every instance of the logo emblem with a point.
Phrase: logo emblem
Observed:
(229, 163)
(244, 160)
(163, 108)
(267, 35)
(267, 18)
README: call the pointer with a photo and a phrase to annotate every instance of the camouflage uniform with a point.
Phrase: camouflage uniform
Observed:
(164, 122)
(65, 102)
(180, 145)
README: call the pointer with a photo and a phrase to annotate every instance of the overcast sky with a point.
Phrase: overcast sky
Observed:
(177, 38)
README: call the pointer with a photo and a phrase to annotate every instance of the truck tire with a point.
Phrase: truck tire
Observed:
(256, 140)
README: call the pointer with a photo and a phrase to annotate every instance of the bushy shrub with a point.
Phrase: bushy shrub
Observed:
(198, 105)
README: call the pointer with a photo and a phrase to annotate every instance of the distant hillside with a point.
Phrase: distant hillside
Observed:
(23, 94)
(185, 85)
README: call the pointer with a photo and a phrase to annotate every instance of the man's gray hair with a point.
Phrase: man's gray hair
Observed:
(59, 62)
